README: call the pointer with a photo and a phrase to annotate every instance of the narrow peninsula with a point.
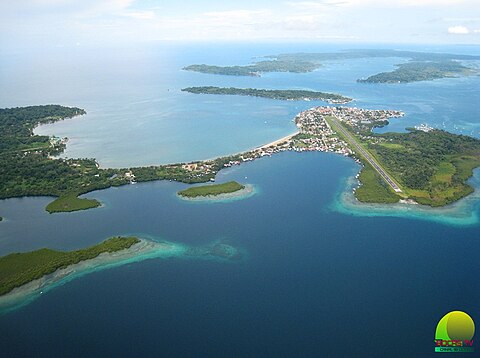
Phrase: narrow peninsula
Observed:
(286, 95)
(25, 276)
(21, 268)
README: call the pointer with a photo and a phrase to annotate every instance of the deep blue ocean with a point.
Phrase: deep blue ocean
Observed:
(316, 279)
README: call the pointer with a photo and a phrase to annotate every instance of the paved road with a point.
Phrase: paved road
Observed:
(366, 155)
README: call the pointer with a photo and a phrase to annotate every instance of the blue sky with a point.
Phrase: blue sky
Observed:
(66, 22)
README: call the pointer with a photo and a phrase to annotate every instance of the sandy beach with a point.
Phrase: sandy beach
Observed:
(278, 141)
(275, 142)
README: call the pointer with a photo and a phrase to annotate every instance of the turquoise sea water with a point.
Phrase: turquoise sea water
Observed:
(461, 213)
(320, 275)
(10, 303)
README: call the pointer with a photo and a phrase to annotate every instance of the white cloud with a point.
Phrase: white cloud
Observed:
(140, 15)
(430, 2)
(110, 20)
(301, 23)
(236, 22)
(105, 7)
(461, 19)
(237, 16)
(458, 30)
(232, 24)
(317, 5)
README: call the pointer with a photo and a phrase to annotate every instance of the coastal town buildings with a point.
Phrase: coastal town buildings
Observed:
(314, 134)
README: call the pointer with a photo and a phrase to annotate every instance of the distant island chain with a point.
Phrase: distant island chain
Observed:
(423, 66)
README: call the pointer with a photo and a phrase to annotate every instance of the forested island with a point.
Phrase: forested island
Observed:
(420, 71)
(20, 268)
(286, 95)
(256, 69)
(318, 57)
(211, 190)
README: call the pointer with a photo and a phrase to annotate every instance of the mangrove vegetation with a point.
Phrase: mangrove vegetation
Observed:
(19, 269)
(211, 190)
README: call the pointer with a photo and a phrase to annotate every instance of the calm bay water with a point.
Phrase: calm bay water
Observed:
(315, 281)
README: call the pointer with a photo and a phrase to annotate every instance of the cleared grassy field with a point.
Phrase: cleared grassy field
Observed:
(448, 183)
(373, 188)
(430, 168)
(392, 146)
